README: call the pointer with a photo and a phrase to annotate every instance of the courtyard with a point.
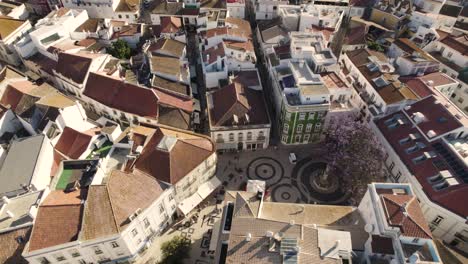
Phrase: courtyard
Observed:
(286, 182)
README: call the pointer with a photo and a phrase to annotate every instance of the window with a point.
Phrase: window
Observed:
(231, 137)
(318, 125)
(299, 128)
(127, 16)
(74, 253)
(286, 128)
(284, 138)
(391, 166)
(397, 177)
(302, 116)
(306, 138)
(449, 54)
(249, 135)
(308, 128)
(59, 257)
(437, 220)
(173, 206)
(134, 232)
(219, 138)
(146, 222)
(261, 134)
(115, 244)
(240, 137)
(98, 251)
(120, 16)
(460, 100)
(43, 260)
(161, 209)
(416, 240)
(298, 138)
(171, 197)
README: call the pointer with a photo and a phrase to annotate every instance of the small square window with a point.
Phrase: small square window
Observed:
(114, 244)
(134, 232)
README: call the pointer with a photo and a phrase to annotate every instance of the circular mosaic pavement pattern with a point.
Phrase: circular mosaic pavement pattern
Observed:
(286, 193)
(265, 169)
(305, 177)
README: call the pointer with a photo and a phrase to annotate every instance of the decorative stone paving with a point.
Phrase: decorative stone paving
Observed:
(266, 169)
(286, 193)
(304, 177)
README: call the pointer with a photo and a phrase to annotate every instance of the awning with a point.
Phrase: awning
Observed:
(188, 204)
(208, 187)
(203, 191)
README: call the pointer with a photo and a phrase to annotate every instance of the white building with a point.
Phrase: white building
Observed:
(238, 115)
(118, 220)
(451, 52)
(96, 8)
(236, 8)
(14, 9)
(214, 63)
(425, 147)
(396, 225)
(49, 31)
(375, 82)
(193, 179)
(12, 30)
(35, 154)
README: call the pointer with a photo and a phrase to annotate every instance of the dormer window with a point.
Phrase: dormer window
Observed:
(405, 140)
(419, 159)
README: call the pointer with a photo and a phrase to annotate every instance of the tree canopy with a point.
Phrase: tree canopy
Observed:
(120, 49)
(175, 250)
(356, 154)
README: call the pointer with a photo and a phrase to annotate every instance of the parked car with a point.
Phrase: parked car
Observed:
(292, 158)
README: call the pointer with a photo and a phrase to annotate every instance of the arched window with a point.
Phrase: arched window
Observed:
(240, 136)
(231, 136)
(249, 135)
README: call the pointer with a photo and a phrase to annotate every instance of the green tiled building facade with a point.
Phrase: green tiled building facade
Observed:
(301, 124)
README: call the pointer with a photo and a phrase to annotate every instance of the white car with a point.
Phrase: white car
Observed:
(292, 158)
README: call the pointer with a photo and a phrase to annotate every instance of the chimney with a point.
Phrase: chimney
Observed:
(301, 64)
(10, 214)
(5, 200)
(208, 58)
(248, 237)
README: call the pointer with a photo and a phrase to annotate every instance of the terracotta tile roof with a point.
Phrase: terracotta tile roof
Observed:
(129, 192)
(98, 218)
(403, 211)
(8, 25)
(168, 85)
(459, 44)
(75, 66)
(87, 42)
(58, 220)
(166, 65)
(422, 86)
(55, 165)
(174, 117)
(171, 24)
(90, 25)
(167, 99)
(211, 55)
(239, 45)
(441, 121)
(43, 62)
(168, 47)
(391, 93)
(327, 32)
(237, 100)
(171, 154)
(356, 35)
(332, 80)
(219, 31)
(123, 96)
(73, 143)
(409, 47)
(11, 249)
(127, 31)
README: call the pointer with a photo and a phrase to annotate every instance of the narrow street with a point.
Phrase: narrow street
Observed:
(193, 55)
